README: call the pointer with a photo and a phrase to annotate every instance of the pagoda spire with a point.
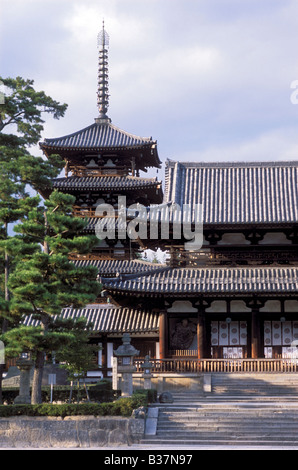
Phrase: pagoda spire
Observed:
(103, 85)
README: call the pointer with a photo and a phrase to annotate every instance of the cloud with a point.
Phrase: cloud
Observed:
(271, 146)
(209, 79)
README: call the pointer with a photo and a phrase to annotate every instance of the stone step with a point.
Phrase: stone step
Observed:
(231, 406)
(255, 383)
(286, 428)
(228, 435)
(249, 385)
(244, 385)
(227, 421)
(241, 410)
(256, 378)
(219, 442)
(226, 424)
(223, 434)
(200, 413)
(228, 417)
(233, 411)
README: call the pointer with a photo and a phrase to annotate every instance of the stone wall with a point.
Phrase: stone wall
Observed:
(171, 382)
(70, 432)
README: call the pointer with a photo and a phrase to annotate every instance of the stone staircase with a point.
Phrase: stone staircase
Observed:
(254, 385)
(240, 410)
(241, 424)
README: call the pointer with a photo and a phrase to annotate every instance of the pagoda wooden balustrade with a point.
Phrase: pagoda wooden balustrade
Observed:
(101, 171)
(221, 365)
(261, 255)
(105, 254)
(79, 211)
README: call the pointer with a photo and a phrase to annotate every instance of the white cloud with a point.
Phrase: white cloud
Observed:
(210, 79)
(275, 145)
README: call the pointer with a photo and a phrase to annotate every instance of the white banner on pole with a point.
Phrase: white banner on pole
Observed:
(115, 373)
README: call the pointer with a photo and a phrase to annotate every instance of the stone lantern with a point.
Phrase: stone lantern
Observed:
(125, 354)
(25, 365)
(147, 375)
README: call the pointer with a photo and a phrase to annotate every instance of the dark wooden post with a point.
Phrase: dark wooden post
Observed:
(255, 306)
(254, 335)
(163, 335)
(200, 336)
(104, 356)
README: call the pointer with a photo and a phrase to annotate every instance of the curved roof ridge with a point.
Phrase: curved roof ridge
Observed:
(92, 128)
(233, 164)
(149, 139)
(66, 135)
(209, 280)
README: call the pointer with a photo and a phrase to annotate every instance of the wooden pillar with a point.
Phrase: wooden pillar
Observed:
(163, 335)
(104, 356)
(201, 336)
(255, 304)
(254, 335)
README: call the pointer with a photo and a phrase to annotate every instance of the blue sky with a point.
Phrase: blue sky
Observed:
(209, 79)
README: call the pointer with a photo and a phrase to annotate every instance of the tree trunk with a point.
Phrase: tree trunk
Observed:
(39, 366)
(39, 361)
(37, 379)
(2, 366)
(6, 291)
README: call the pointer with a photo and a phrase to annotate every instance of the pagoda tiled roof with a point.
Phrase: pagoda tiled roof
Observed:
(209, 281)
(110, 223)
(109, 268)
(236, 193)
(102, 136)
(109, 319)
(105, 183)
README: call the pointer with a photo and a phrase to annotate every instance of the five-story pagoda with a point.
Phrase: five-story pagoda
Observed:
(102, 167)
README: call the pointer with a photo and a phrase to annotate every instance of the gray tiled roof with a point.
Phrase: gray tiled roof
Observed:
(105, 182)
(114, 267)
(103, 137)
(98, 136)
(227, 280)
(110, 223)
(236, 193)
(110, 319)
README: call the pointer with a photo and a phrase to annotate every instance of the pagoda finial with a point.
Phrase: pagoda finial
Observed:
(103, 88)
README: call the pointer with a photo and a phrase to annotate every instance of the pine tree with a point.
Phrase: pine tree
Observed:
(15, 202)
(21, 113)
(23, 107)
(37, 277)
(47, 282)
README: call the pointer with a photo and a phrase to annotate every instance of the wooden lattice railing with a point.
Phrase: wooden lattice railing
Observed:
(221, 365)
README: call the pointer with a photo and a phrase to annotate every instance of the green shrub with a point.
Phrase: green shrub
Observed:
(121, 407)
(149, 395)
(100, 393)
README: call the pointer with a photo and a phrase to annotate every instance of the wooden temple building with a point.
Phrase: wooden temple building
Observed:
(234, 300)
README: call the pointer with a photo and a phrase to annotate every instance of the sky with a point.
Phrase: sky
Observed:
(210, 80)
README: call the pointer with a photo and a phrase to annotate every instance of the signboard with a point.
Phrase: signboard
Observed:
(115, 373)
(52, 379)
(52, 382)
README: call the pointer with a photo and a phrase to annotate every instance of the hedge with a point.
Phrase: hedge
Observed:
(101, 392)
(121, 407)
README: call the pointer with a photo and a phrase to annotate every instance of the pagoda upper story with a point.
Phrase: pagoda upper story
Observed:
(103, 149)
(102, 163)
